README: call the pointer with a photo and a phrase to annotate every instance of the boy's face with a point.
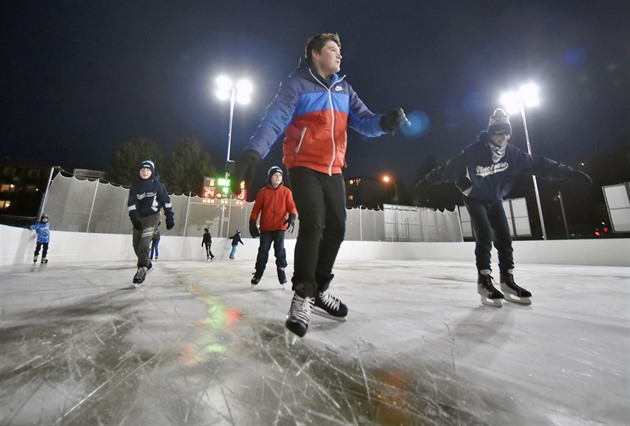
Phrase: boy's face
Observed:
(500, 140)
(329, 59)
(276, 179)
(145, 173)
(45, 219)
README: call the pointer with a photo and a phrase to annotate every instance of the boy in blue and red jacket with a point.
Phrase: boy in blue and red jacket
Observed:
(276, 208)
(42, 228)
(484, 172)
(314, 108)
(147, 196)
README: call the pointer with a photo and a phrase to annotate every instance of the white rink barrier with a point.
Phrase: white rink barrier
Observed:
(17, 246)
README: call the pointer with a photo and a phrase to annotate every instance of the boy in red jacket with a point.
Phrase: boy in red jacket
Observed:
(275, 205)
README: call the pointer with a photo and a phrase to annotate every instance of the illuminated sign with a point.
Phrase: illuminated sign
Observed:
(220, 188)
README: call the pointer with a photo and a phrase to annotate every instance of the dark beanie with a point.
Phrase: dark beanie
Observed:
(148, 164)
(499, 123)
(272, 171)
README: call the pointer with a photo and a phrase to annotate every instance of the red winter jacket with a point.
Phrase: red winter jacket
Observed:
(273, 206)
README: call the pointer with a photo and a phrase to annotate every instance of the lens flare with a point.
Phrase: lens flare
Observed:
(420, 124)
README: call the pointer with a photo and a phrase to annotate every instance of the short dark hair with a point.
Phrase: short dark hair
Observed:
(317, 42)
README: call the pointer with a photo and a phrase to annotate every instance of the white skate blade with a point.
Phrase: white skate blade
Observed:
(515, 299)
(496, 303)
(322, 313)
(290, 338)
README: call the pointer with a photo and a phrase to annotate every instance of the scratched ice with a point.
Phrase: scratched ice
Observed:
(196, 346)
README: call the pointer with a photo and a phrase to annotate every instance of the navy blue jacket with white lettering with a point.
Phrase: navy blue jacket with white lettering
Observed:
(478, 177)
(147, 197)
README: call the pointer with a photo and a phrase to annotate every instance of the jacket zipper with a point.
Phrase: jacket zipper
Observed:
(299, 145)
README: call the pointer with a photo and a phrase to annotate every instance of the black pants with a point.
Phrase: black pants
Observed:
(266, 239)
(491, 226)
(321, 204)
(142, 239)
(208, 251)
(43, 246)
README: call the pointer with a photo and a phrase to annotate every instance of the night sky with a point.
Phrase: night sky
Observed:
(80, 77)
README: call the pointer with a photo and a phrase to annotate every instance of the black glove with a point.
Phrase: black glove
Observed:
(253, 229)
(137, 224)
(244, 170)
(170, 222)
(290, 222)
(393, 120)
(580, 177)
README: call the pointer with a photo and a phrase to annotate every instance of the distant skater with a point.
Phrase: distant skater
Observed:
(236, 238)
(206, 241)
(42, 229)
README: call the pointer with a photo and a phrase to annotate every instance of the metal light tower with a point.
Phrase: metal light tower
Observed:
(514, 102)
(239, 92)
(387, 179)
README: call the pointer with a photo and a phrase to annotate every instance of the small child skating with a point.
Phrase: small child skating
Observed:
(484, 172)
(147, 196)
(236, 238)
(42, 229)
(155, 243)
(207, 242)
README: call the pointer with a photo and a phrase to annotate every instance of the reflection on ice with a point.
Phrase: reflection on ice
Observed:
(195, 345)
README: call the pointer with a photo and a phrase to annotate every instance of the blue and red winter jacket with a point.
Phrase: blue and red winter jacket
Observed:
(314, 114)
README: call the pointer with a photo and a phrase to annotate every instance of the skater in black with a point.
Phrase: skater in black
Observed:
(484, 172)
(155, 242)
(314, 108)
(147, 196)
(207, 242)
(42, 229)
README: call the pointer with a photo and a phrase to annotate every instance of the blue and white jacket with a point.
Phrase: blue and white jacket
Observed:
(314, 114)
(147, 197)
(43, 231)
(483, 178)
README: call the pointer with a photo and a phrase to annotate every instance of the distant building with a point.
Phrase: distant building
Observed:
(364, 191)
(21, 190)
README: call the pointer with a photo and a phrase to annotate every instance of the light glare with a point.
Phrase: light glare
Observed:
(245, 87)
(529, 94)
(511, 101)
(224, 83)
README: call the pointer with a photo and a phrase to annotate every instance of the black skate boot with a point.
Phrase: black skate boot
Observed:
(35, 260)
(44, 261)
(256, 278)
(512, 292)
(140, 276)
(327, 305)
(489, 294)
(299, 316)
(282, 277)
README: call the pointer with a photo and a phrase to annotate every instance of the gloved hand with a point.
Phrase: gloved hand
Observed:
(290, 222)
(393, 120)
(253, 229)
(580, 177)
(135, 219)
(244, 170)
(137, 224)
(170, 222)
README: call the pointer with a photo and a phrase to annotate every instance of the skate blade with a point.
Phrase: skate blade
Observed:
(519, 300)
(320, 312)
(496, 303)
(290, 338)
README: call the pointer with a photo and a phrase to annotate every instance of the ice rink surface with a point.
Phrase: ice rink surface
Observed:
(195, 345)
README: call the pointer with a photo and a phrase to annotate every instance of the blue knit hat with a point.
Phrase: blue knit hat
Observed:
(499, 123)
(148, 164)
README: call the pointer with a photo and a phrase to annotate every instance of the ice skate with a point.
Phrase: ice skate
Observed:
(328, 306)
(489, 294)
(282, 277)
(256, 278)
(299, 316)
(512, 292)
(44, 262)
(140, 276)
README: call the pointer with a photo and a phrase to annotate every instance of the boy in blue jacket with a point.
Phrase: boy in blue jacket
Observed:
(42, 228)
(484, 172)
(147, 196)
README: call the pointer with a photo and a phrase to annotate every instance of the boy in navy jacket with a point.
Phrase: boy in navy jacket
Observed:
(147, 196)
(484, 172)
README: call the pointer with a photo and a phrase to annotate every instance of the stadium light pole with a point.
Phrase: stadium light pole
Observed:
(527, 96)
(387, 179)
(234, 92)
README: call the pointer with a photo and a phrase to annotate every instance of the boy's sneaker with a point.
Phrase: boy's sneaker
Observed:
(140, 275)
(299, 316)
(282, 276)
(329, 306)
